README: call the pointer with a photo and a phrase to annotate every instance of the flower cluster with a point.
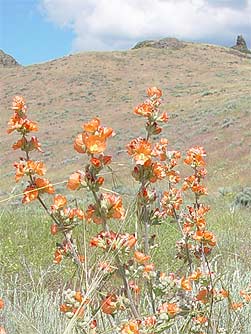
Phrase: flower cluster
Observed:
(26, 167)
(123, 286)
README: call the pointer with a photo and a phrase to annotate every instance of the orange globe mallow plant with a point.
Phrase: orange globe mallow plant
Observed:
(123, 291)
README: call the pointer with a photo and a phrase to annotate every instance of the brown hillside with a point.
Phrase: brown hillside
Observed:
(207, 92)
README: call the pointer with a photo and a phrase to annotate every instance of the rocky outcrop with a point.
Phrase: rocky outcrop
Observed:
(241, 45)
(164, 43)
(7, 60)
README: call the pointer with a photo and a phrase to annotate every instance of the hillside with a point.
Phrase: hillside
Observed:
(207, 93)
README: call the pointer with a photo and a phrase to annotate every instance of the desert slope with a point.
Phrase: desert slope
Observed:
(207, 93)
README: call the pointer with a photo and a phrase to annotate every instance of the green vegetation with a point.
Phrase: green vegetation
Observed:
(32, 284)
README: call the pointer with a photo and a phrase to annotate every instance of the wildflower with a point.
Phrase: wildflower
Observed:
(195, 157)
(204, 295)
(158, 172)
(44, 186)
(246, 294)
(111, 205)
(92, 126)
(205, 237)
(18, 104)
(154, 92)
(132, 327)
(54, 229)
(130, 240)
(59, 202)
(74, 182)
(30, 194)
(149, 267)
(1, 304)
(200, 319)
(186, 284)
(134, 287)
(141, 151)
(223, 293)
(195, 275)
(141, 258)
(172, 309)
(109, 304)
(94, 143)
(145, 109)
(237, 306)
(171, 201)
(79, 145)
(150, 321)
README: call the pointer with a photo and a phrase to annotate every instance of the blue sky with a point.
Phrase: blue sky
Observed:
(34, 31)
(27, 34)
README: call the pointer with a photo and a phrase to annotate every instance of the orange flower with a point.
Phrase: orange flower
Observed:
(236, 306)
(59, 202)
(112, 205)
(149, 267)
(79, 145)
(2, 330)
(163, 118)
(134, 287)
(58, 255)
(170, 308)
(150, 321)
(78, 296)
(200, 319)
(145, 109)
(109, 304)
(29, 126)
(34, 144)
(186, 284)
(65, 308)
(92, 126)
(203, 296)
(1, 304)
(131, 327)
(224, 293)
(54, 229)
(246, 295)
(158, 172)
(18, 104)
(15, 123)
(94, 143)
(130, 241)
(25, 145)
(45, 185)
(195, 275)
(171, 201)
(195, 157)
(154, 92)
(205, 237)
(141, 258)
(30, 194)
(74, 181)
(141, 150)
(96, 162)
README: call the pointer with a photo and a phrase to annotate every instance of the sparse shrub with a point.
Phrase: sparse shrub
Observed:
(243, 198)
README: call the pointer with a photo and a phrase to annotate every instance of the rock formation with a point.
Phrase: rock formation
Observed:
(164, 43)
(241, 45)
(7, 60)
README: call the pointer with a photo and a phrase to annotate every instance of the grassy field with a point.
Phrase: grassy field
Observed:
(32, 285)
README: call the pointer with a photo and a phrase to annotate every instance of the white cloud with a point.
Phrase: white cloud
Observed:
(118, 24)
